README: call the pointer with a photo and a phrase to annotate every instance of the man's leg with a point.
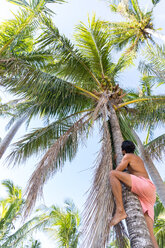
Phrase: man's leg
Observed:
(115, 178)
(150, 224)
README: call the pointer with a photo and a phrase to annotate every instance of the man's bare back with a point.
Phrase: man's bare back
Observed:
(135, 165)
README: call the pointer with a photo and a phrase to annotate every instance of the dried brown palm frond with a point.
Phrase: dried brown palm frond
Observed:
(52, 161)
(100, 204)
(100, 104)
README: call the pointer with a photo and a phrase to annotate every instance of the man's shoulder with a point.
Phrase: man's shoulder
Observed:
(132, 158)
(129, 155)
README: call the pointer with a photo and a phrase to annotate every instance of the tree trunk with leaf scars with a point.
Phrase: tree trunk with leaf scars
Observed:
(152, 171)
(136, 225)
(8, 138)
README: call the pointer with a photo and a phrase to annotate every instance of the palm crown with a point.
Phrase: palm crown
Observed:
(138, 28)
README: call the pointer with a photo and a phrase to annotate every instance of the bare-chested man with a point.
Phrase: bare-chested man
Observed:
(140, 184)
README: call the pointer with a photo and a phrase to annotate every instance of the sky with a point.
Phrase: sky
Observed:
(76, 177)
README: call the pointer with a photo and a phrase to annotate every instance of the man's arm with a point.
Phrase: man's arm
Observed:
(124, 163)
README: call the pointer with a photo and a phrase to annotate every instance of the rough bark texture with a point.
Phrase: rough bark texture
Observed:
(136, 225)
(137, 229)
(8, 138)
(156, 34)
(151, 169)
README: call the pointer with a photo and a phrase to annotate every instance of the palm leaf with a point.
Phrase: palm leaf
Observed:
(155, 1)
(63, 224)
(14, 240)
(65, 147)
(156, 147)
(155, 63)
(14, 41)
(159, 232)
(40, 139)
(94, 45)
(71, 65)
(49, 92)
(145, 113)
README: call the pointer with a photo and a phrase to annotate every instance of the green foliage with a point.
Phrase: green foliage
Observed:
(16, 34)
(155, 1)
(159, 222)
(10, 212)
(131, 32)
(8, 30)
(64, 224)
(154, 64)
(156, 147)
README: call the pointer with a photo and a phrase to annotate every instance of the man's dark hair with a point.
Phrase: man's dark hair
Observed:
(128, 146)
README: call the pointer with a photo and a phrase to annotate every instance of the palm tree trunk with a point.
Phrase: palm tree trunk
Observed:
(150, 167)
(8, 138)
(137, 229)
(155, 34)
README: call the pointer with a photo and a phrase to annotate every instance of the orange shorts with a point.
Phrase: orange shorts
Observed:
(146, 192)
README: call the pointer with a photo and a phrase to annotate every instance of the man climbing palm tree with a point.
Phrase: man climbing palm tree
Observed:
(140, 184)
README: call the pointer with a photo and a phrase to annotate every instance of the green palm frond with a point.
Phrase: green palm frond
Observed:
(159, 232)
(147, 83)
(13, 191)
(146, 111)
(8, 31)
(155, 63)
(122, 64)
(70, 63)
(40, 139)
(94, 45)
(10, 211)
(64, 225)
(159, 209)
(155, 1)
(14, 240)
(159, 222)
(29, 16)
(49, 92)
(10, 208)
(156, 147)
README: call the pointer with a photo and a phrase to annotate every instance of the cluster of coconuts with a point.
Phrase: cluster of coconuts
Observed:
(106, 83)
(114, 91)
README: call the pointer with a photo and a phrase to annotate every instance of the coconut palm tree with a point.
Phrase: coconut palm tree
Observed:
(10, 212)
(63, 224)
(138, 28)
(77, 87)
(16, 39)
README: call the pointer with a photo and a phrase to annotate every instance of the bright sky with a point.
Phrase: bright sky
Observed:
(76, 177)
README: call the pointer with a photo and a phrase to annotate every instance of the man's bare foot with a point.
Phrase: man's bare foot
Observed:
(119, 215)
